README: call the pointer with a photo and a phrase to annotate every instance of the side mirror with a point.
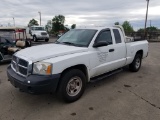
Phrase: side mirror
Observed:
(100, 44)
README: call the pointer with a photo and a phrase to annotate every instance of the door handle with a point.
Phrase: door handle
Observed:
(111, 50)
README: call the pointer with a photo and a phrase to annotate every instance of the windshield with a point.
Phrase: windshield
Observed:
(78, 37)
(38, 28)
(8, 35)
(6, 40)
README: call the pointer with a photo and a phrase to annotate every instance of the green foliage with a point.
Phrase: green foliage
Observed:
(140, 30)
(48, 27)
(58, 23)
(127, 27)
(73, 26)
(152, 29)
(149, 29)
(32, 23)
(116, 23)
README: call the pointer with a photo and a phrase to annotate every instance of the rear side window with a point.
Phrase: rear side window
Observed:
(117, 36)
(105, 36)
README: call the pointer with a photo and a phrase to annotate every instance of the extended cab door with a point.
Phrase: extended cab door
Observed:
(102, 58)
(119, 58)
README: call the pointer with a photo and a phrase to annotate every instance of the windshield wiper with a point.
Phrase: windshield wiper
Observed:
(69, 43)
(57, 42)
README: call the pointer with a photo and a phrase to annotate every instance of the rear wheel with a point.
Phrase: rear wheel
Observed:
(72, 85)
(28, 44)
(136, 64)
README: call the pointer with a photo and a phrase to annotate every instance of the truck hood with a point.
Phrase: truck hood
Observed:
(43, 52)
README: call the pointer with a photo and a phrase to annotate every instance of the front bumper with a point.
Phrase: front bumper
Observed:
(34, 84)
(42, 37)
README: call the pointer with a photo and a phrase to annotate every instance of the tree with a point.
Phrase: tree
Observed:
(140, 30)
(127, 27)
(58, 23)
(148, 29)
(116, 23)
(48, 26)
(152, 29)
(73, 26)
(33, 22)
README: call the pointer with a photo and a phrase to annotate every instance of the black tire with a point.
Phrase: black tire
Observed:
(34, 38)
(28, 44)
(46, 40)
(1, 56)
(136, 64)
(64, 89)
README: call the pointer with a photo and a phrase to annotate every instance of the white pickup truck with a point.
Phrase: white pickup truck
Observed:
(78, 57)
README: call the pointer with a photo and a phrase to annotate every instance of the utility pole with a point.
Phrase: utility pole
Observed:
(145, 32)
(13, 21)
(40, 17)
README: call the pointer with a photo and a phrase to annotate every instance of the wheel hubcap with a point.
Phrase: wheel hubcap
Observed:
(138, 62)
(74, 86)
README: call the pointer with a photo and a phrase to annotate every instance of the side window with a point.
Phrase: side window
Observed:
(117, 36)
(105, 36)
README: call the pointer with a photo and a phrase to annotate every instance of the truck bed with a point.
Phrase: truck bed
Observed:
(133, 47)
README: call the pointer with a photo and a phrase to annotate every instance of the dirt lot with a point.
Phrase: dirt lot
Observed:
(124, 96)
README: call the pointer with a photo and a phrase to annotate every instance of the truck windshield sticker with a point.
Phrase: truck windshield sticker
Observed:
(102, 56)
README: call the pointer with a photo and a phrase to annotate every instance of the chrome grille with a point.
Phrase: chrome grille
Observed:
(20, 66)
(43, 33)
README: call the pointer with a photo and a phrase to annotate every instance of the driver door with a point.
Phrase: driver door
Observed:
(102, 60)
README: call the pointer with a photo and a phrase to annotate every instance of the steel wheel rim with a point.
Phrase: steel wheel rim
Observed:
(138, 62)
(74, 86)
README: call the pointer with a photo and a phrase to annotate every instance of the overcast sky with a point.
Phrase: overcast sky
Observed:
(81, 12)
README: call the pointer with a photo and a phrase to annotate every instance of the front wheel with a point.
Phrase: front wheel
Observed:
(136, 64)
(72, 85)
(46, 40)
(34, 38)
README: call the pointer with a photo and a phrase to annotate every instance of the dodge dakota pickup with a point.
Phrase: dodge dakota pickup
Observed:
(79, 56)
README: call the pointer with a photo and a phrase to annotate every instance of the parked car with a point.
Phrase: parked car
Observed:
(78, 57)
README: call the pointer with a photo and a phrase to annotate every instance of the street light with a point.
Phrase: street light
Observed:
(40, 17)
(146, 18)
(13, 21)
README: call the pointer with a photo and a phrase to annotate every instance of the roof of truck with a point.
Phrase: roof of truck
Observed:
(97, 27)
(11, 28)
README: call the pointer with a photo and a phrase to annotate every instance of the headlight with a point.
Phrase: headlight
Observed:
(42, 68)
